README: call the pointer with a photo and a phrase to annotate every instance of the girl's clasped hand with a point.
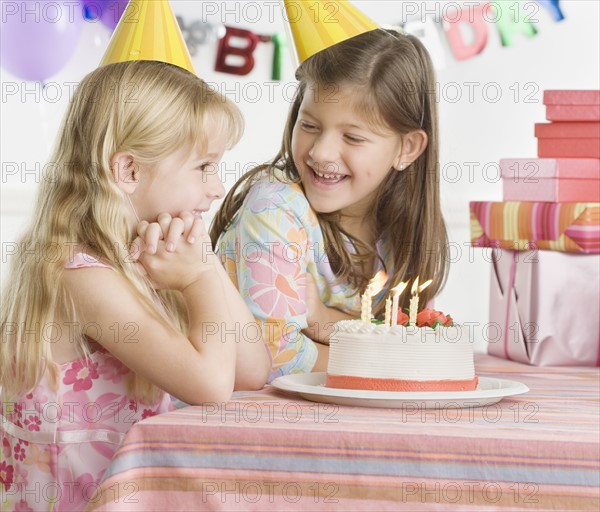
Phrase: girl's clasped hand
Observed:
(173, 251)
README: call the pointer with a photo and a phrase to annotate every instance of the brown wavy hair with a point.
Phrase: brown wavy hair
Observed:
(394, 81)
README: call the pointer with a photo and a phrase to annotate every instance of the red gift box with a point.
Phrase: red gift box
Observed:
(574, 130)
(567, 105)
(548, 179)
(573, 112)
(572, 97)
(565, 148)
(579, 138)
(544, 308)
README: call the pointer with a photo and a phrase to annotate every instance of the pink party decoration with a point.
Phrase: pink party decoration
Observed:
(476, 22)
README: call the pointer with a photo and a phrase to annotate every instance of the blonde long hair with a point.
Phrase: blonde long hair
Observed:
(394, 80)
(149, 109)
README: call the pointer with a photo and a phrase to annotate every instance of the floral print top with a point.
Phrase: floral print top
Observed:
(58, 440)
(272, 242)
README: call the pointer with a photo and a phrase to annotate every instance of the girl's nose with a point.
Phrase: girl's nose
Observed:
(324, 149)
(214, 186)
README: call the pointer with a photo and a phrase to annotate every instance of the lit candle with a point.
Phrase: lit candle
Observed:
(365, 305)
(396, 292)
(374, 287)
(388, 311)
(414, 301)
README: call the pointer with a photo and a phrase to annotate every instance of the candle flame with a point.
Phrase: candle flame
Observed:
(425, 285)
(415, 286)
(376, 284)
(397, 290)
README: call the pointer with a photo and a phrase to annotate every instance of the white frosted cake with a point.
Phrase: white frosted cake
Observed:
(383, 358)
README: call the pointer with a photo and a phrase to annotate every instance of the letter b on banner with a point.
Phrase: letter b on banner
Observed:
(245, 52)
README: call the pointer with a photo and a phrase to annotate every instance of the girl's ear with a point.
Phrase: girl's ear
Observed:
(413, 144)
(125, 171)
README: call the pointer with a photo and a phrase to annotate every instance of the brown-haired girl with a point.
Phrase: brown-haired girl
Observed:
(354, 189)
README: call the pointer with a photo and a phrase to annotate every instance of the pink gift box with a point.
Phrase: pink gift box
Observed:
(572, 97)
(544, 307)
(552, 190)
(557, 180)
(572, 105)
(573, 112)
(522, 169)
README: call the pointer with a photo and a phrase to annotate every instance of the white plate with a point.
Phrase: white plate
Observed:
(311, 386)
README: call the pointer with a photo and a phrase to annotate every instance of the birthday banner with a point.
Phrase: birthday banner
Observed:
(441, 32)
(36, 43)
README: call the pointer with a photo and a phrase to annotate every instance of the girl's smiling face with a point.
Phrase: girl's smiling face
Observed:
(183, 181)
(341, 160)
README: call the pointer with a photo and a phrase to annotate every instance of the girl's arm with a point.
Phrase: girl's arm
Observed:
(252, 357)
(253, 362)
(320, 323)
(320, 318)
(196, 369)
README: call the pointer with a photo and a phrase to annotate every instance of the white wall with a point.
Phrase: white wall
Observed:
(562, 55)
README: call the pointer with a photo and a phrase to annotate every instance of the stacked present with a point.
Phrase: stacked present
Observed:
(545, 305)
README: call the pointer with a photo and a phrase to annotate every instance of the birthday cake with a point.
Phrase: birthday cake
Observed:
(433, 355)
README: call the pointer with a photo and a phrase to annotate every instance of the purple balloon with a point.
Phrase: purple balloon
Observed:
(109, 12)
(38, 37)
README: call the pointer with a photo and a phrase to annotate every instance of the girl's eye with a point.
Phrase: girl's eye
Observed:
(353, 139)
(308, 126)
(208, 166)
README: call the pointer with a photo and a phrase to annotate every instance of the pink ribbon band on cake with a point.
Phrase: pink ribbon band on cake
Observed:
(373, 384)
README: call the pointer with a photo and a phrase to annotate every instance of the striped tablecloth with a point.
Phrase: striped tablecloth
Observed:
(271, 451)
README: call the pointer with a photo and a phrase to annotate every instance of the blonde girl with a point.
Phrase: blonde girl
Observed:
(354, 189)
(89, 346)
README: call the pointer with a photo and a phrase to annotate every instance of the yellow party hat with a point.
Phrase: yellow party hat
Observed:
(148, 30)
(319, 24)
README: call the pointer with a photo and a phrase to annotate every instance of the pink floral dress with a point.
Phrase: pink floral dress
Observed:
(58, 442)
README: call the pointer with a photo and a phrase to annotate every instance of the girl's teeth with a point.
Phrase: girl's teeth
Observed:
(328, 176)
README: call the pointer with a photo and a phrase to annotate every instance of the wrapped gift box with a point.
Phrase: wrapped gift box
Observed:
(573, 113)
(544, 308)
(578, 148)
(549, 179)
(553, 190)
(568, 105)
(568, 227)
(572, 97)
(574, 130)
